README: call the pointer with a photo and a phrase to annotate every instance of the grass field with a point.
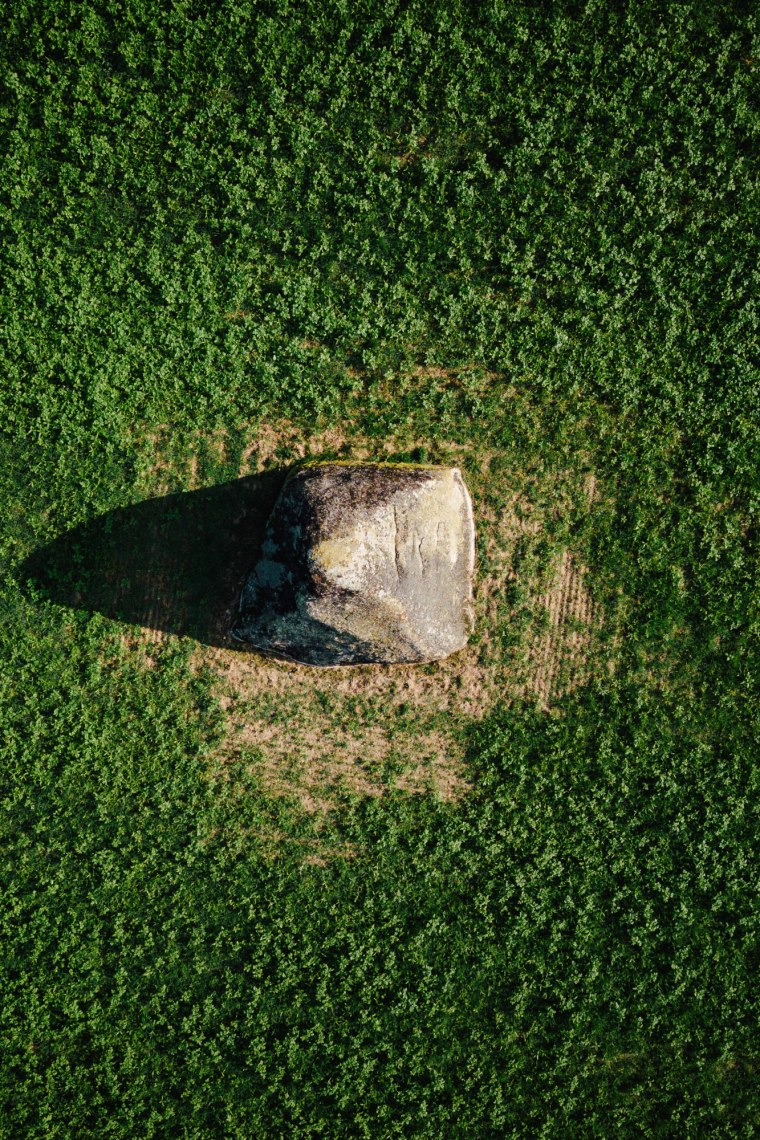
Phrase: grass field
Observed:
(508, 894)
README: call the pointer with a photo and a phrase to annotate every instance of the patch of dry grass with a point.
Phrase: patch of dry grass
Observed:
(317, 734)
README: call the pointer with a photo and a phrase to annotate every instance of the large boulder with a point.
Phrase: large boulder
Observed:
(363, 563)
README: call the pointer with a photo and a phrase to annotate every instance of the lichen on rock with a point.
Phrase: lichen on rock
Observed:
(363, 563)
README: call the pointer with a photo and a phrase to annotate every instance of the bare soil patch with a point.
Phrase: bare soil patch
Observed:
(560, 657)
(318, 734)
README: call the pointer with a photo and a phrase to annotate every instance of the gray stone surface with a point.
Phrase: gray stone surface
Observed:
(363, 563)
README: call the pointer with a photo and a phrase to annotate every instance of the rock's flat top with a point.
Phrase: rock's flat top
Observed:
(363, 563)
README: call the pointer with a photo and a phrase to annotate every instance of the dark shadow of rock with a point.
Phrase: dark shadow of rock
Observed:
(175, 563)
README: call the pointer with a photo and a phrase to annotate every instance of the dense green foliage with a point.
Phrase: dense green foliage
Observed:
(212, 214)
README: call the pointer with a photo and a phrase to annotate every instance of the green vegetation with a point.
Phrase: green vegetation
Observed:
(523, 241)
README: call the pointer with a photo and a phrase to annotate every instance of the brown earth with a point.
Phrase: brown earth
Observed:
(316, 734)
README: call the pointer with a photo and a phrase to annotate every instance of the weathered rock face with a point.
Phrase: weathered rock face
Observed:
(363, 563)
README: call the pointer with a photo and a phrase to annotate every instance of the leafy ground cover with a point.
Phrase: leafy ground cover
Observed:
(506, 894)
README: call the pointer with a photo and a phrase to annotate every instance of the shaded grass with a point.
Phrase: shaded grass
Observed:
(174, 564)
